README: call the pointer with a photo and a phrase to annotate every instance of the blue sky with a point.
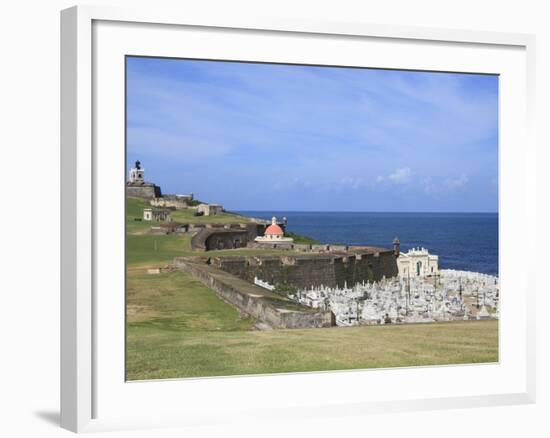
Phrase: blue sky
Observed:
(283, 137)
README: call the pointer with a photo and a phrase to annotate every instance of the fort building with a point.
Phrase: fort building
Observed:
(209, 209)
(228, 236)
(176, 202)
(156, 214)
(137, 187)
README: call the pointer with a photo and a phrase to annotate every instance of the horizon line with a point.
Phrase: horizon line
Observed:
(365, 211)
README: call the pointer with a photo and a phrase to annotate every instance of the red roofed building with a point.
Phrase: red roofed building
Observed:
(274, 234)
(274, 229)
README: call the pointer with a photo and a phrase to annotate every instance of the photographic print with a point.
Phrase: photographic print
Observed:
(296, 218)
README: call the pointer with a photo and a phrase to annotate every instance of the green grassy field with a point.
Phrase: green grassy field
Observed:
(154, 354)
(177, 327)
(302, 239)
(149, 249)
(175, 301)
(135, 206)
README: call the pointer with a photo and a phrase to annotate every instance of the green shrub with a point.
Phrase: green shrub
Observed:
(303, 239)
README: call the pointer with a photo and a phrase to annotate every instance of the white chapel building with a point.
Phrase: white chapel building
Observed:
(274, 234)
(417, 262)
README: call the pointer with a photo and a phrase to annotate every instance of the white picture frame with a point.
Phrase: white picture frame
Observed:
(90, 330)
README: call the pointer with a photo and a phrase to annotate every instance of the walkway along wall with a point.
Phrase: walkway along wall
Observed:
(272, 309)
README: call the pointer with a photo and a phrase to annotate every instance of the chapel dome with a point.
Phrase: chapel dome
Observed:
(274, 229)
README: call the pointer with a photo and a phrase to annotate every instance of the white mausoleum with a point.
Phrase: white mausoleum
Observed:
(274, 234)
(417, 262)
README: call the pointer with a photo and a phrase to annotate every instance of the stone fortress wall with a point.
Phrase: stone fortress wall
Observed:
(177, 202)
(145, 190)
(222, 239)
(330, 270)
(230, 236)
(270, 309)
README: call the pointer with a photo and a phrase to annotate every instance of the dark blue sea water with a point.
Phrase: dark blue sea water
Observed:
(466, 241)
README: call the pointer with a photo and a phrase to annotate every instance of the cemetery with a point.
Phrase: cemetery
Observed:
(452, 295)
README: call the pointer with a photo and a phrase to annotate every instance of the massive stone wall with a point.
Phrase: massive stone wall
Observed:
(229, 236)
(226, 239)
(312, 270)
(269, 308)
(147, 191)
(179, 202)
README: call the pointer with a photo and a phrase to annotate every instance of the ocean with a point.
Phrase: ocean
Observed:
(464, 241)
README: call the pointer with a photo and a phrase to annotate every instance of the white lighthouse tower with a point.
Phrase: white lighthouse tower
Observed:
(137, 174)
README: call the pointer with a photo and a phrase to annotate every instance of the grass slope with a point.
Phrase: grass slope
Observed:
(174, 301)
(150, 249)
(135, 206)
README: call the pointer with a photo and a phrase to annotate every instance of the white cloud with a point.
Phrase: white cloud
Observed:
(436, 189)
(351, 182)
(457, 183)
(401, 175)
(429, 187)
(293, 183)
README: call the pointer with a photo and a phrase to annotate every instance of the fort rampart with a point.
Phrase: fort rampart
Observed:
(305, 271)
(178, 202)
(229, 236)
(145, 190)
(271, 309)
